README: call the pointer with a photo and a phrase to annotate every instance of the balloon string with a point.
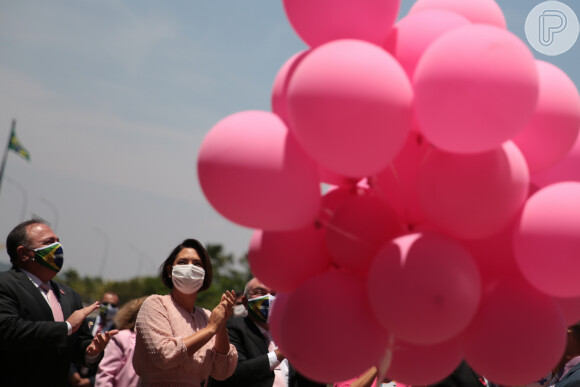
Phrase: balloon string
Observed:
(345, 233)
(385, 362)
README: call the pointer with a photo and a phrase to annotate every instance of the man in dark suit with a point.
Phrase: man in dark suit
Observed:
(42, 322)
(260, 362)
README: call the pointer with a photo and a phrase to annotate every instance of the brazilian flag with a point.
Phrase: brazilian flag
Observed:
(16, 146)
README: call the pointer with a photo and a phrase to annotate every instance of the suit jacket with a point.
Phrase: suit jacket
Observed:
(253, 367)
(571, 379)
(34, 349)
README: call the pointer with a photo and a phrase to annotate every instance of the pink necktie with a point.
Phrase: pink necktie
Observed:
(53, 301)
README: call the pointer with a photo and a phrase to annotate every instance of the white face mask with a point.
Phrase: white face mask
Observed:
(240, 311)
(187, 278)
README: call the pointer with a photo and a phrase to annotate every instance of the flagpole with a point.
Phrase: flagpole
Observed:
(6, 152)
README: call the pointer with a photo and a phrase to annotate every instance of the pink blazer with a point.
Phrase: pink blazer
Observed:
(116, 368)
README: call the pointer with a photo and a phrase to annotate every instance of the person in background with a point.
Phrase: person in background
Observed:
(239, 306)
(102, 322)
(569, 366)
(105, 320)
(116, 367)
(42, 322)
(178, 343)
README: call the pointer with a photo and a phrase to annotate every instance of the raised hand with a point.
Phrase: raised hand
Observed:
(220, 314)
(78, 316)
(100, 342)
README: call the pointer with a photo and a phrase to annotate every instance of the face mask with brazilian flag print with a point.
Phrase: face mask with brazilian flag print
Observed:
(259, 307)
(50, 256)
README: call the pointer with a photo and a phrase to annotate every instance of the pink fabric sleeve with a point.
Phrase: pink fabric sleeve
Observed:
(164, 350)
(110, 364)
(224, 365)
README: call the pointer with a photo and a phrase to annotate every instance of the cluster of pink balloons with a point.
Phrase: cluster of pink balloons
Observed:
(451, 229)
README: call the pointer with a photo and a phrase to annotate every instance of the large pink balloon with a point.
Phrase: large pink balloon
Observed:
(415, 32)
(419, 365)
(280, 107)
(553, 129)
(328, 329)
(564, 170)
(570, 308)
(475, 87)
(254, 173)
(424, 288)
(321, 21)
(350, 106)
(275, 318)
(547, 242)
(397, 184)
(476, 195)
(517, 336)
(476, 11)
(358, 229)
(285, 259)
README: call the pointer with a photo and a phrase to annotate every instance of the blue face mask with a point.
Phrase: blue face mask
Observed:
(50, 256)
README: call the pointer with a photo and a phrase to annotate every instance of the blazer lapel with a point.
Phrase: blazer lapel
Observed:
(35, 293)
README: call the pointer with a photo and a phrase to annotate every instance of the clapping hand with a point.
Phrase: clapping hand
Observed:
(100, 342)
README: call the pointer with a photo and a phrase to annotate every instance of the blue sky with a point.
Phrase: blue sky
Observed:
(113, 98)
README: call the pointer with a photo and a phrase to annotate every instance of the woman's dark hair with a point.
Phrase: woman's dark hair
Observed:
(203, 255)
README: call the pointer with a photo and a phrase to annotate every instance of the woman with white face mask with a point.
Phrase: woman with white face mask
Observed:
(178, 343)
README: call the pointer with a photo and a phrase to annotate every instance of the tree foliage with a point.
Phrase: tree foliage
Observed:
(229, 273)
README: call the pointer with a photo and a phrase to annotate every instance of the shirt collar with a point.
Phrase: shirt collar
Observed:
(570, 365)
(35, 280)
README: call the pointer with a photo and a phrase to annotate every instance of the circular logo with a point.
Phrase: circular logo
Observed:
(552, 28)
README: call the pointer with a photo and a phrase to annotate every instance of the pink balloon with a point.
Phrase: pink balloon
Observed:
(553, 129)
(397, 184)
(285, 259)
(424, 288)
(358, 229)
(517, 336)
(415, 32)
(424, 364)
(350, 107)
(476, 11)
(254, 173)
(321, 21)
(566, 169)
(473, 196)
(475, 87)
(335, 198)
(280, 86)
(494, 255)
(328, 329)
(275, 318)
(547, 241)
(570, 308)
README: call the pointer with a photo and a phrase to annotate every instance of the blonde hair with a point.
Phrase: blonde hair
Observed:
(125, 318)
